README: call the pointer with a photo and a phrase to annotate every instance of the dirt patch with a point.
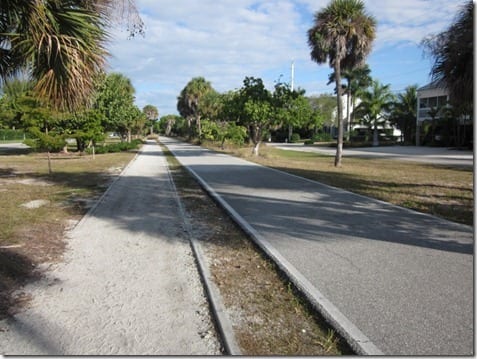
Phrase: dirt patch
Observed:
(37, 203)
(268, 316)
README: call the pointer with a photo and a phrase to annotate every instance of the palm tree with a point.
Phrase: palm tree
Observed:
(60, 43)
(404, 112)
(342, 35)
(194, 94)
(356, 79)
(376, 103)
(152, 114)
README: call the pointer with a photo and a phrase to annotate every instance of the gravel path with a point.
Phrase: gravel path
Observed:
(129, 284)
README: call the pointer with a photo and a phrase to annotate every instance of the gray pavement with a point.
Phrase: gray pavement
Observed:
(432, 155)
(392, 280)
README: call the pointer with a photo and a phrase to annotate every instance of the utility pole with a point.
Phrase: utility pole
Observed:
(292, 74)
(292, 85)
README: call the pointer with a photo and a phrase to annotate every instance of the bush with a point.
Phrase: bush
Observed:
(322, 137)
(295, 137)
(51, 142)
(309, 142)
(115, 147)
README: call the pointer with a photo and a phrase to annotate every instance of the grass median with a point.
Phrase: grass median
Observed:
(268, 315)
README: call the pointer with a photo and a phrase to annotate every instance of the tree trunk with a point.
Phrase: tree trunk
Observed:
(339, 144)
(348, 105)
(49, 162)
(351, 119)
(375, 136)
(256, 138)
(189, 127)
(129, 136)
(256, 147)
(290, 133)
(199, 127)
(169, 127)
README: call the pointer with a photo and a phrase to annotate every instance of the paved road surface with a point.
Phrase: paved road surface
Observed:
(129, 284)
(433, 155)
(404, 280)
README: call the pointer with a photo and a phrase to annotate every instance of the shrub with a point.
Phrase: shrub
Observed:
(295, 137)
(322, 137)
(51, 142)
(115, 147)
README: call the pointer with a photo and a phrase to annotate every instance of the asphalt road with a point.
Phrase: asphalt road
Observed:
(128, 285)
(401, 279)
(432, 155)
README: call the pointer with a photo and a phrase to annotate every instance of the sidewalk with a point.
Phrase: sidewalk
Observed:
(393, 281)
(128, 284)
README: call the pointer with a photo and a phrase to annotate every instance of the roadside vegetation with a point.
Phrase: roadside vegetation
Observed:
(341, 35)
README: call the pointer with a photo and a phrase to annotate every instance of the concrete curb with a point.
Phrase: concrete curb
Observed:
(222, 319)
(355, 338)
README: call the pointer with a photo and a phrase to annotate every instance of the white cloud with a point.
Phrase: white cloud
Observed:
(226, 40)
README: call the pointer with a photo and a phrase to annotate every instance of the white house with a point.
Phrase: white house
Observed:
(348, 127)
(431, 96)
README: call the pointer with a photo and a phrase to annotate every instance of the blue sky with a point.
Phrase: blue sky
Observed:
(227, 40)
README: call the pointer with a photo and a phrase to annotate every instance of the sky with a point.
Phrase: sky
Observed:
(226, 40)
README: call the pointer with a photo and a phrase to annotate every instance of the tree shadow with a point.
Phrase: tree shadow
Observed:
(16, 270)
(12, 151)
(363, 186)
(279, 204)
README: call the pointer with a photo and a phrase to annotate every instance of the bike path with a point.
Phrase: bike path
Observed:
(392, 280)
(128, 283)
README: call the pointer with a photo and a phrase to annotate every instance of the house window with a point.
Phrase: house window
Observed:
(432, 102)
(423, 102)
(442, 100)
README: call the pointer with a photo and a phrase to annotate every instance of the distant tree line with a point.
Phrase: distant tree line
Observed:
(111, 109)
(253, 113)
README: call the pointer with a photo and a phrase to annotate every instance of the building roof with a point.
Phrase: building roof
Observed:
(433, 85)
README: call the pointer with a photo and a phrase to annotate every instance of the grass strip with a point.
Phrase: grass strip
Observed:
(268, 315)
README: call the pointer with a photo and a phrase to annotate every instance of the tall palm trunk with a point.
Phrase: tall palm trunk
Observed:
(375, 134)
(348, 105)
(199, 127)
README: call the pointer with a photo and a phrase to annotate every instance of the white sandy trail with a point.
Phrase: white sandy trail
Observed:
(128, 285)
